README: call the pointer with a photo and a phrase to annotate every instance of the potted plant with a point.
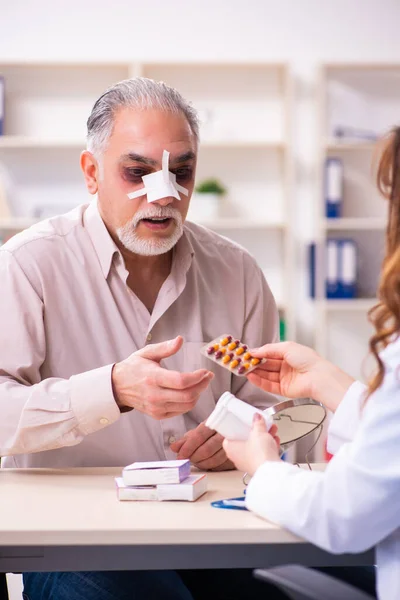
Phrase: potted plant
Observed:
(205, 204)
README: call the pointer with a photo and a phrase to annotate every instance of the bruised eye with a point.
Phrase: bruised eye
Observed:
(184, 173)
(134, 174)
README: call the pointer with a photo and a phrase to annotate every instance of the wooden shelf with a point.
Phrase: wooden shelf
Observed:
(237, 143)
(16, 224)
(354, 223)
(345, 304)
(237, 223)
(15, 141)
(245, 121)
(353, 146)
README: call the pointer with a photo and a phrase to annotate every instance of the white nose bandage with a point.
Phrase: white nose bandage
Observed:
(161, 184)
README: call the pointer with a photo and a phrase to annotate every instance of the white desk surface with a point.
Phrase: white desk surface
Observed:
(79, 507)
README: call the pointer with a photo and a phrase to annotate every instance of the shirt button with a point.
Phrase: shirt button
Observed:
(149, 337)
(104, 421)
(171, 439)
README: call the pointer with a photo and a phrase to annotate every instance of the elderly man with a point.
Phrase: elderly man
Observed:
(84, 294)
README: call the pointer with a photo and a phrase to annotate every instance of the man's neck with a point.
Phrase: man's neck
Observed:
(146, 275)
(147, 267)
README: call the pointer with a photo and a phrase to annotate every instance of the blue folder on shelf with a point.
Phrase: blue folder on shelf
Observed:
(347, 268)
(340, 269)
(333, 187)
(332, 269)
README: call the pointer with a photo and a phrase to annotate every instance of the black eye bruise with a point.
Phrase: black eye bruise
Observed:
(130, 174)
(183, 173)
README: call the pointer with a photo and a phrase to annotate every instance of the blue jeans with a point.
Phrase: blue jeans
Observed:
(105, 585)
(217, 584)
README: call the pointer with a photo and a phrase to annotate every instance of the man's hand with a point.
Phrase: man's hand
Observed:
(140, 382)
(203, 447)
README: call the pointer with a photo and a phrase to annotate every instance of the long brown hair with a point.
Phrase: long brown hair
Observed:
(385, 317)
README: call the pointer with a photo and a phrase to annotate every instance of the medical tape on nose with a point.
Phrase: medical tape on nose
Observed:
(161, 184)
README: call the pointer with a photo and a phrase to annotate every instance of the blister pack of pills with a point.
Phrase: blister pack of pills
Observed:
(232, 354)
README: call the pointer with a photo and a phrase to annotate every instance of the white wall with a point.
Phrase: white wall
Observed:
(302, 32)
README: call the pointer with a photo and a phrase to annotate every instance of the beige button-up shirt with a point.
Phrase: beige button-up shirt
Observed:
(67, 315)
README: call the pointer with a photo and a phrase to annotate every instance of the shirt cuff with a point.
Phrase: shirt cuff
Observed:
(346, 419)
(92, 400)
(266, 488)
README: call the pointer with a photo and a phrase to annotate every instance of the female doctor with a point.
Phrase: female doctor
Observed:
(355, 504)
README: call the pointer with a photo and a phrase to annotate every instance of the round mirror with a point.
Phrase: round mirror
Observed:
(296, 418)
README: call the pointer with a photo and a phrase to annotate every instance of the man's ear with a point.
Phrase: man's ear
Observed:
(90, 168)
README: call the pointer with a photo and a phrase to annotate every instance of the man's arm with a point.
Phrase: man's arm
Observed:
(40, 415)
(261, 326)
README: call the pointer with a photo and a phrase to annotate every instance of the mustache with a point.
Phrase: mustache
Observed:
(160, 212)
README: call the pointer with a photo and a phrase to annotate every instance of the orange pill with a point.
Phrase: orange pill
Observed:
(255, 361)
(216, 346)
(239, 351)
(246, 365)
(234, 363)
(247, 356)
(224, 341)
(232, 345)
(223, 350)
(226, 359)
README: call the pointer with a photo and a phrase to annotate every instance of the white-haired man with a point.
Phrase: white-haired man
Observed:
(84, 294)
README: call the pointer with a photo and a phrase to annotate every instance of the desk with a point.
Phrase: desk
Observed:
(70, 520)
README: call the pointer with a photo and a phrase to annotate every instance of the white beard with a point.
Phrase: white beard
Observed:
(128, 236)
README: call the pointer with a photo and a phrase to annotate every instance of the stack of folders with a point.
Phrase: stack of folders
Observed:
(341, 269)
(160, 480)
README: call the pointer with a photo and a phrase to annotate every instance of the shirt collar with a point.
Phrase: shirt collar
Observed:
(102, 241)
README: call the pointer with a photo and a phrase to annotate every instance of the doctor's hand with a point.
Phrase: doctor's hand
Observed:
(203, 447)
(260, 447)
(140, 382)
(296, 371)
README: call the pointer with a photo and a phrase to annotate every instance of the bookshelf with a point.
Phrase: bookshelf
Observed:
(364, 98)
(245, 142)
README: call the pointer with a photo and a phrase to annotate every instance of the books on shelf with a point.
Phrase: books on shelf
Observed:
(157, 472)
(190, 489)
(340, 268)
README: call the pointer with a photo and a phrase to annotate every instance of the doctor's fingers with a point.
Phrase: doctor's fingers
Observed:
(273, 365)
(272, 376)
(272, 351)
(264, 383)
(234, 450)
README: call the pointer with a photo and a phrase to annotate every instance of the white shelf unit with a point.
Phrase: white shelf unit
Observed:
(245, 141)
(362, 97)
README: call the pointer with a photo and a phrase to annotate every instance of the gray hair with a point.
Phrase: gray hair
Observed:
(139, 93)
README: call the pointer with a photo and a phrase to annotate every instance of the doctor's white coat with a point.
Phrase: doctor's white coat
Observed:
(355, 504)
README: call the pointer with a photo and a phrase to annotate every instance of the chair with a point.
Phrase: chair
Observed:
(302, 583)
(3, 587)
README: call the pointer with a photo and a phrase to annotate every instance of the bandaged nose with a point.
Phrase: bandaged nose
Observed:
(161, 184)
